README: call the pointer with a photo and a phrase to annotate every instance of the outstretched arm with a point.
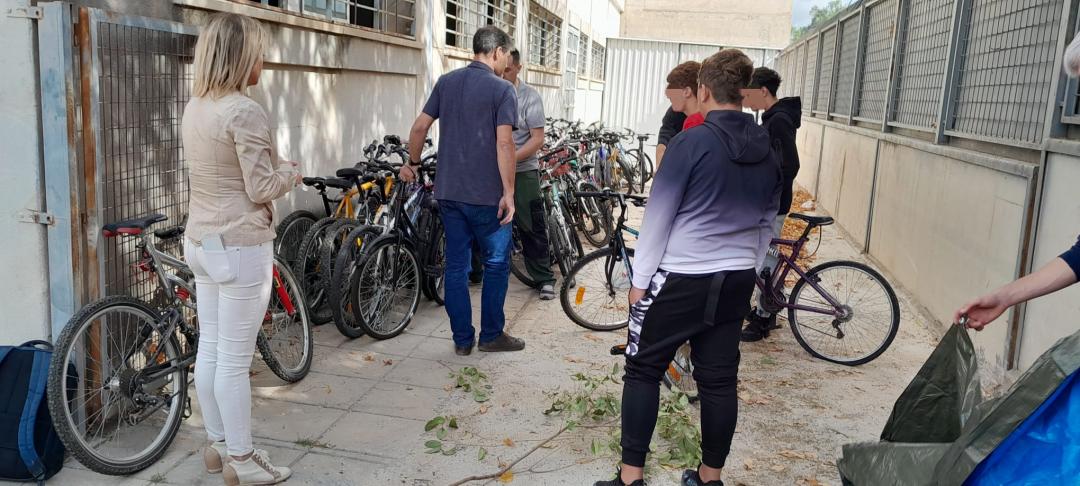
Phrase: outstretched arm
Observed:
(1052, 277)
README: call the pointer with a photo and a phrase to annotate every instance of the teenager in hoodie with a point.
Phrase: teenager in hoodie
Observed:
(707, 226)
(781, 118)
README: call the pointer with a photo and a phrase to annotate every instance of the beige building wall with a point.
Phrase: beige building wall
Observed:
(757, 23)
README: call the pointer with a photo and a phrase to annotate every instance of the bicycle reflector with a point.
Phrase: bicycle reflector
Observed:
(580, 295)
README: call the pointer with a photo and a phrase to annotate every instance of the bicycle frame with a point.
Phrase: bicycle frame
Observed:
(788, 263)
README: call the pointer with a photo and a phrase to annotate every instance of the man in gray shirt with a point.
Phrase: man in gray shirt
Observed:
(529, 207)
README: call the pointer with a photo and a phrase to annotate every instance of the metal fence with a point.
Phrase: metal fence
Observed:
(977, 69)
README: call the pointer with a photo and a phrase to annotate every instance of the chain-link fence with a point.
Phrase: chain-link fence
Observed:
(977, 69)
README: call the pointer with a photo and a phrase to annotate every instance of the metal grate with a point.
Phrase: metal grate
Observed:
(876, 61)
(799, 68)
(850, 30)
(810, 73)
(826, 69)
(1006, 68)
(598, 53)
(144, 81)
(545, 32)
(387, 16)
(464, 17)
(583, 56)
(922, 62)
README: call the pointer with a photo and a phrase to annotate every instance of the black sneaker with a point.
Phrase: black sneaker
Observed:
(463, 350)
(504, 342)
(618, 481)
(691, 478)
(547, 292)
(757, 327)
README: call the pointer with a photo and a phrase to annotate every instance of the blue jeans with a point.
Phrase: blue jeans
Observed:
(464, 224)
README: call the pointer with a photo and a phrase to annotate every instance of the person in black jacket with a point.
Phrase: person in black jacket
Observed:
(669, 127)
(782, 119)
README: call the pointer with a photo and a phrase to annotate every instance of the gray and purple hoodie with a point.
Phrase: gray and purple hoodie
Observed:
(713, 201)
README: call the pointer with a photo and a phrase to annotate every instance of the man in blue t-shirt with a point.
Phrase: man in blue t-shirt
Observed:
(477, 111)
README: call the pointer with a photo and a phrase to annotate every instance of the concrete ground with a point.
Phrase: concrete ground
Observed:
(358, 418)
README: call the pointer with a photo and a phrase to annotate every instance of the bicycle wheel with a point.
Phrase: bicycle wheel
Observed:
(385, 290)
(628, 174)
(345, 266)
(435, 263)
(285, 341)
(336, 239)
(598, 298)
(560, 248)
(517, 262)
(306, 269)
(644, 167)
(570, 232)
(869, 313)
(290, 234)
(110, 415)
(595, 217)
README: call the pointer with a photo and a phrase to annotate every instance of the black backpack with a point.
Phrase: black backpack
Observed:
(30, 450)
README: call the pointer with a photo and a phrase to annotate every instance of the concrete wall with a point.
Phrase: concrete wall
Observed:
(761, 23)
(944, 223)
(24, 288)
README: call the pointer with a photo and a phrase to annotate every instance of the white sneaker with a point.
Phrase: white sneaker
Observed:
(215, 456)
(255, 471)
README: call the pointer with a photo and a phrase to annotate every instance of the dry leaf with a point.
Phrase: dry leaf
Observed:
(484, 409)
(387, 362)
(328, 389)
(448, 388)
(571, 359)
(776, 350)
(779, 468)
(811, 482)
(506, 477)
(546, 331)
(593, 337)
(795, 455)
(748, 464)
(502, 463)
(369, 357)
(508, 442)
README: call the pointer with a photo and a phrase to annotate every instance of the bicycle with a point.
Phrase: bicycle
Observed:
(594, 293)
(120, 369)
(564, 246)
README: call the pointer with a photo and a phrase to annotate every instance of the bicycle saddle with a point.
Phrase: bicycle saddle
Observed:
(133, 226)
(338, 183)
(313, 181)
(813, 220)
(169, 233)
(350, 172)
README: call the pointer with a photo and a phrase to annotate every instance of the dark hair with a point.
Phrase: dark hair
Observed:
(488, 38)
(725, 74)
(515, 55)
(764, 77)
(684, 75)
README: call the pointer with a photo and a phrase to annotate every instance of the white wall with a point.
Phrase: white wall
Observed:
(24, 286)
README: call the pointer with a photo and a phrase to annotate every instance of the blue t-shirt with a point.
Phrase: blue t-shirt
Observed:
(469, 103)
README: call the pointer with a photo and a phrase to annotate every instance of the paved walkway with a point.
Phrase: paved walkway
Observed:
(358, 418)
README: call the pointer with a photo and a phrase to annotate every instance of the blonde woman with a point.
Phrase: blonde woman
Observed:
(235, 175)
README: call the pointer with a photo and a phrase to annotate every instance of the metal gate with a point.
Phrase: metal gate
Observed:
(114, 151)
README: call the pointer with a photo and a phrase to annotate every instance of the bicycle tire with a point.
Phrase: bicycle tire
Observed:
(517, 262)
(435, 263)
(555, 241)
(58, 394)
(291, 232)
(593, 210)
(276, 363)
(618, 297)
(306, 269)
(370, 319)
(336, 238)
(571, 232)
(346, 265)
(894, 304)
(627, 173)
(644, 164)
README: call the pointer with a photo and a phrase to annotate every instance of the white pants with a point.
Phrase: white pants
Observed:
(230, 316)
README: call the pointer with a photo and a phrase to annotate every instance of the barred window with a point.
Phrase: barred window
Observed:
(387, 16)
(572, 39)
(271, 3)
(464, 17)
(598, 53)
(583, 57)
(545, 31)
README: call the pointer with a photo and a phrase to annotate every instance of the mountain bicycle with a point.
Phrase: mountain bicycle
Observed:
(564, 246)
(118, 380)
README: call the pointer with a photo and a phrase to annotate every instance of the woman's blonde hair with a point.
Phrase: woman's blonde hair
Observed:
(228, 49)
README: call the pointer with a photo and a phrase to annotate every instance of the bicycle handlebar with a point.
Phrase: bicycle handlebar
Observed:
(612, 195)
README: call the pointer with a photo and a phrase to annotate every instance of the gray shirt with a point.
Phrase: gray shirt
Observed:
(470, 103)
(530, 115)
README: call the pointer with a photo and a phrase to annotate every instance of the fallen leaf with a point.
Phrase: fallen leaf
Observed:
(369, 357)
(571, 359)
(779, 468)
(811, 482)
(508, 442)
(387, 362)
(546, 331)
(748, 464)
(776, 350)
(506, 477)
(484, 409)
(593, 337)
(328, 390)
(448, 388)
(795, 454)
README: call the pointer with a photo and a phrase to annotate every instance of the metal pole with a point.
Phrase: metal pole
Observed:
(903, 11)
(860, 64)
(957, 45)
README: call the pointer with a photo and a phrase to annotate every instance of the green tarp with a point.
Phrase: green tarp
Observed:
(941, 428)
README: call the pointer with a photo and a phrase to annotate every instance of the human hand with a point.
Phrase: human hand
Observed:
(506, 209)
(407, 173)
(981, 311)
(636, 294)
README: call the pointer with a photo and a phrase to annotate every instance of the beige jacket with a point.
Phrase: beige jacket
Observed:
(233, 170)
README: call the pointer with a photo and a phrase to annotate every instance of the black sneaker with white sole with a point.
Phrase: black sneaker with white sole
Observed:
(547, 292)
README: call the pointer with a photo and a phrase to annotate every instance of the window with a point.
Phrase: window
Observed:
(388, 16)
(598, 53)
(545, 30)
(271, 3)
(464, 17)
(583, 57)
